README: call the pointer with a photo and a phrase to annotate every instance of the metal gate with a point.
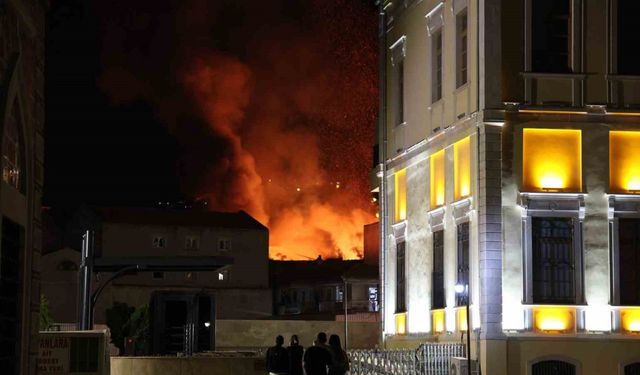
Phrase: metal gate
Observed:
(428, 359)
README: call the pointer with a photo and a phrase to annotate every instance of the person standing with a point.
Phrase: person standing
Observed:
(339, 359)
(277, 358)
(317, 358)
(294, 351)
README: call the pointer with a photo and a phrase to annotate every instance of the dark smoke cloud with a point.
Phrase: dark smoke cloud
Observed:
(273, 101)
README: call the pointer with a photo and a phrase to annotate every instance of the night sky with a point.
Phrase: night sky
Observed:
(262, 106)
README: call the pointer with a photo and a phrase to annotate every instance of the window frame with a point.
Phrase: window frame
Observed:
(401, 277)
(225, 241)
(620, 207)
(189, 243)
(575, 39)
(547, 205)
(461, 270)
(462, 47)
(161, 243)
(437, 65)
(442, 300)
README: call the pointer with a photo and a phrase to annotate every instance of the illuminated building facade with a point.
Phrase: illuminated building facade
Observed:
(510, 162)
(22, 141)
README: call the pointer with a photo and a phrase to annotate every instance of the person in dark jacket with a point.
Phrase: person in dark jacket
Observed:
(277, 358)
(317, 358)
(339, 360)
(294, 351)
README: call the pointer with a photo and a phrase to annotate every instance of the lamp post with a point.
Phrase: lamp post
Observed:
(464, 290)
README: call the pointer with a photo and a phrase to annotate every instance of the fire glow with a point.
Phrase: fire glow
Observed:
(287, 97)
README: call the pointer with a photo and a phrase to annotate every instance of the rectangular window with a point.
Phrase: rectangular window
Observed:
(224, 244)
(399, 93)
(437, 276)
(436, 66)
(551, 160)
(628, 55)
(400, 191)
(624, 162)
(552, 38)
(373, 299)
(223, 275)
(463, 261)
(629, 261)
(159, 242)
(437, 182)
(462, 168)
(553, 260)
(192, 243)
(461, 48)
(158, 275)
(400, 278)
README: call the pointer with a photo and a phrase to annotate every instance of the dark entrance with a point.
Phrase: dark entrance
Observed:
(182, 323)
(10, 251)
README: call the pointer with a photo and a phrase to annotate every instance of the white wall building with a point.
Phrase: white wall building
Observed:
(510, 149)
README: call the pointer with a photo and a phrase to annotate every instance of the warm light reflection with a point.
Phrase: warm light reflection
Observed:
(462, 168)
(461, 317)
(630, 319)
(437, 317)
(401, 323)
(400, 206)
(551, 160)
(437, 179)
(554, 319)
(624, 162)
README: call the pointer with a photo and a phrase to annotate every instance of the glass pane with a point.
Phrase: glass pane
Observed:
(553, 260)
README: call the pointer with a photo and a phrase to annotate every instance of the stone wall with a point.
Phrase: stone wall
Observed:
(237, 334)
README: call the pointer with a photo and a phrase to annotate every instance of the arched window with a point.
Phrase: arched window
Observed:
(553, 367)
(12, 149)
(632, 369)
(67, 265)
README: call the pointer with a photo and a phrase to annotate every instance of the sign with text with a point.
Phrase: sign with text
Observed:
(64, 353)
(53, 355)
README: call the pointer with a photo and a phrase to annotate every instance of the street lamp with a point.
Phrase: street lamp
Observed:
(464, 290)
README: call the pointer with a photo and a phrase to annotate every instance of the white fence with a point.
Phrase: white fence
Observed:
(428, 359)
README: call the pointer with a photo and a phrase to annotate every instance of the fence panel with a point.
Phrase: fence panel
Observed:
(427, 359)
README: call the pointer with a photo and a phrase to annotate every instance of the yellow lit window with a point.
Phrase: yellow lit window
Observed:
(554, 319)
(437, 318)
(437, 179)
(462, 168)
(401, 196)
(552, 160)
(624, 162)
(401, 323)
(461, 317)
(630, 319)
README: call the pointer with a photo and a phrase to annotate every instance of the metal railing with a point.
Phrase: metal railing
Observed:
(428, 359)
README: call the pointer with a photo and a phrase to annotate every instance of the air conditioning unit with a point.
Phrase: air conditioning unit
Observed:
(459, 366)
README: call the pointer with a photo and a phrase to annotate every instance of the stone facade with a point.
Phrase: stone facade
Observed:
(511, 90)
(21, 103)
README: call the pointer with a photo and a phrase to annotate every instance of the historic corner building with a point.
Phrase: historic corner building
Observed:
(22, 149)
(510, 149)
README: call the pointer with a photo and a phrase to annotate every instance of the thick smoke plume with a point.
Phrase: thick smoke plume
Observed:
(273, 101)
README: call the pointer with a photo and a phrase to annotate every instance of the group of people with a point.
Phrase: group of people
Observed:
(319, 359)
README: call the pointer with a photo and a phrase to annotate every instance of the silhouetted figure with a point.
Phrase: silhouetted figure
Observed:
(339, 360)
(277, 358)
(294, 351)
(317, 358)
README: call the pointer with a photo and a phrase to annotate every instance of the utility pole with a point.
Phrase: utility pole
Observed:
(85, 321)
